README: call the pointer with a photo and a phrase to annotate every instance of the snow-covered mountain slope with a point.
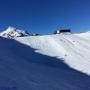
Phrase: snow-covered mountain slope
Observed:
(85, 35)
(73, 48)
(12, 32)
(49, 62)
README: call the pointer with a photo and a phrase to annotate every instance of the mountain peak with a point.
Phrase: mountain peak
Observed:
(12, 32)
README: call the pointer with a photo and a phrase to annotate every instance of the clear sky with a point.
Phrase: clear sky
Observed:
(45, 16)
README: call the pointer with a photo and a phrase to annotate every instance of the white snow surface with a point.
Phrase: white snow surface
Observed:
(48, 62)
(73, 48)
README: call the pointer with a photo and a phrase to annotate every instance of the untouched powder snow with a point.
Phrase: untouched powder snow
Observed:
(49, 62)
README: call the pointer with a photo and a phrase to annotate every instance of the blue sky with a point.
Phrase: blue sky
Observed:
(45, 16)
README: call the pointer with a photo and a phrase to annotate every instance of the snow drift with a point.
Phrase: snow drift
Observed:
(49, 62)
(73, 48)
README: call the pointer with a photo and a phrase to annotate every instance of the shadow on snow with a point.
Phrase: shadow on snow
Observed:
(41, 72)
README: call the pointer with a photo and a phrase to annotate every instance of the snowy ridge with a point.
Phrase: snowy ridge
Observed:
(12, 32)
(72, 48)
(85, 35)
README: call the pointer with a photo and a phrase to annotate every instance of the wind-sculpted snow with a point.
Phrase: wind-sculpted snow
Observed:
(23, 68)
(73, 48)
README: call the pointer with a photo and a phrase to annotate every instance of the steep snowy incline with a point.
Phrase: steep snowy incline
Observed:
(73, 48)
(37, 64)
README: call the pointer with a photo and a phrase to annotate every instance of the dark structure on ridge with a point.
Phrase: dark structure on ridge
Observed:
(62, 31)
